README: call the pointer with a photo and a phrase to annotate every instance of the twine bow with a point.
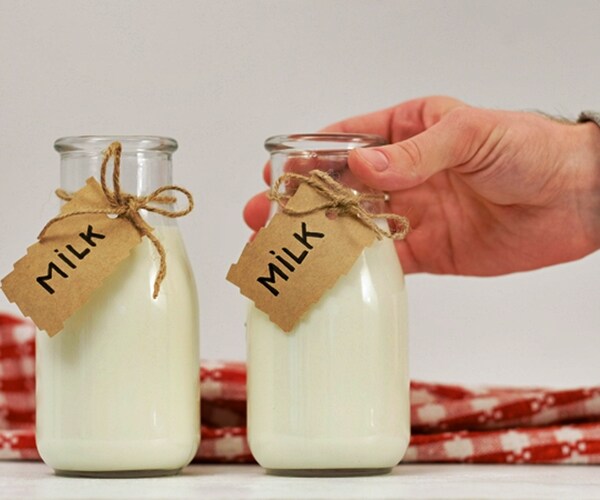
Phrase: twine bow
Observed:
(128, 206)
(341, 200)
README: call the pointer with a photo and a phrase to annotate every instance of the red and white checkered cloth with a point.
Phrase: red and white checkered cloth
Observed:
(449, 423)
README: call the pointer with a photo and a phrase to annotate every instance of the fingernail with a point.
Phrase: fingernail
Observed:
(374, 157)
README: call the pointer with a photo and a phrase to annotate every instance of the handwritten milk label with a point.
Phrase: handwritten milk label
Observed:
(295, 259)
(62, 270)
(55, 270)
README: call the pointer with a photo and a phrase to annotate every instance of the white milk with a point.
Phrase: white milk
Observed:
(333, 393)
(118, 389)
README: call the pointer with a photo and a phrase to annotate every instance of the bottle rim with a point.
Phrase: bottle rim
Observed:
(131, 143)
(322, 143)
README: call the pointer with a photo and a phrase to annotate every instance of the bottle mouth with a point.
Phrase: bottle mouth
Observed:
(131, 143)
(322, 143)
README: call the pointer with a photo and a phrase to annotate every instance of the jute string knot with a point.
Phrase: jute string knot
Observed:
(340, 200)
(128, 206)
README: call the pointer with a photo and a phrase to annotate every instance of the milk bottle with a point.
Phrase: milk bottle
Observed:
(331, 396)
(117, 388)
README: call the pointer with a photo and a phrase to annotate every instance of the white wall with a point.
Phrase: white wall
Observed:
(221, 76)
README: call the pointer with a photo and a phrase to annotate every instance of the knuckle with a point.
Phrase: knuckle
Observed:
(471, 130)
(437, 107)
(463, 117)
(412, 156)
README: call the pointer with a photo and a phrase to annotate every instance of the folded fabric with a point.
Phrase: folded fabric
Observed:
(450, 423)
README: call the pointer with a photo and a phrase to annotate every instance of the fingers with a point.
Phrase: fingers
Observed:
(399, 122)
(267, 173)
(256, 211)
(450, 143)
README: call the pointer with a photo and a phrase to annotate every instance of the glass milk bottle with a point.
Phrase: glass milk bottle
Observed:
(331, 397)
(118, 387)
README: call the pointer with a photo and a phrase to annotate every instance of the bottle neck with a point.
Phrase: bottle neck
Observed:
(335, 164)
(141, 172)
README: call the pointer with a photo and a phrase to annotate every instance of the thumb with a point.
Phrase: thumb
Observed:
(451, 143)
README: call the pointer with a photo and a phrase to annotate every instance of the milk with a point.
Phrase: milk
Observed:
(333, 393)
(118, 389)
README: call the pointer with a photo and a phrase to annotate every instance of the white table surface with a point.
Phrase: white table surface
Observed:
(32, 480)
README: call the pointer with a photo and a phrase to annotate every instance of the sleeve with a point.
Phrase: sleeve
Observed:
(589, 116)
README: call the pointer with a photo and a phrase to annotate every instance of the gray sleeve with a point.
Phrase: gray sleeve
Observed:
(589, 116)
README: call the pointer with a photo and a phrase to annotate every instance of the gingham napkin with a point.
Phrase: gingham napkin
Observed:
(449, 423)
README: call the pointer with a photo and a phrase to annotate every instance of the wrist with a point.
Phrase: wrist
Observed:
(588, 185)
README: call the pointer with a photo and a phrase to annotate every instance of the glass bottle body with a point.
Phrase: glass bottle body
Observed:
(331, 396)
(118, 389)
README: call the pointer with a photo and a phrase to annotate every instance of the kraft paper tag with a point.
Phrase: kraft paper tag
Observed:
(295, 259)
(61, 271)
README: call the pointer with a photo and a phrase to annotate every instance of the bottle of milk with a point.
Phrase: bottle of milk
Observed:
(331, 397)
(118, 387)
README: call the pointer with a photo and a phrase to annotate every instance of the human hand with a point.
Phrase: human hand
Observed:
(487, 192)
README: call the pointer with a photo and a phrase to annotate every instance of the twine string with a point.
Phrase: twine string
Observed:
(127, 206)
(341, 200)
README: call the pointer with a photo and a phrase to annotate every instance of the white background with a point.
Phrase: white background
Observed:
(221, 76)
